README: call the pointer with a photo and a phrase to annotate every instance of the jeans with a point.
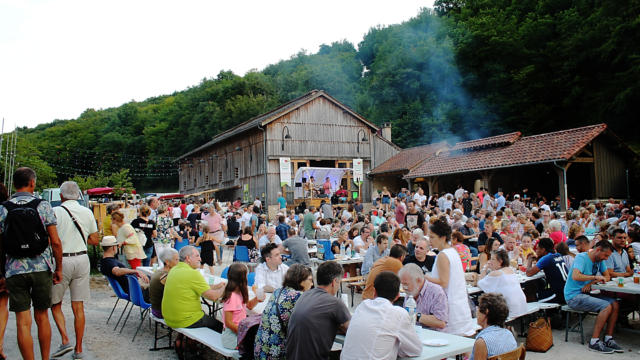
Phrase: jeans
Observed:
(147, 251)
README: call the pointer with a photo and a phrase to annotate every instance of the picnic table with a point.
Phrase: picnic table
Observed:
(629, 286)
(455, 346)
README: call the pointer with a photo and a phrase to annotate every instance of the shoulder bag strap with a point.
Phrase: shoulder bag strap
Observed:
(75, 222)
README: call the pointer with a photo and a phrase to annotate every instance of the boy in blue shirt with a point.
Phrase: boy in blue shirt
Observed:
(577, 290)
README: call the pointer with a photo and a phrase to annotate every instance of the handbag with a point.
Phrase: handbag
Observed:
(539, 336)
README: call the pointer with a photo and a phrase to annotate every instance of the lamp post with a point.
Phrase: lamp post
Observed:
(364, 138)
(287, 136)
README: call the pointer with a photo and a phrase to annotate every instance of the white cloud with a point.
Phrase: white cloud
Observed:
(58, 58)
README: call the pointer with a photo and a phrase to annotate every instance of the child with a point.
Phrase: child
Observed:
(236, 302)
(205, 241)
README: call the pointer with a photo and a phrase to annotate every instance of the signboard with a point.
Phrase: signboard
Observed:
(358, 173)
(285, 171)
(245, 193)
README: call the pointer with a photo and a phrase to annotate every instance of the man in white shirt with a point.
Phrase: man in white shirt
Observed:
(379, 330)
(75, 263)
(419, 197)
(153, 203)
(270, 274)
(510, 247)
(245, 220)
(258, 203)
(270, 238)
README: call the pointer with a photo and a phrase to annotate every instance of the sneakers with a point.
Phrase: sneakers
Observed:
(611, 344)
(78, 355)
(600, 347)
(62, 349)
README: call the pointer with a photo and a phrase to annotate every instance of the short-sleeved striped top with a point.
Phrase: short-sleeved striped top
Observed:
(499, 340)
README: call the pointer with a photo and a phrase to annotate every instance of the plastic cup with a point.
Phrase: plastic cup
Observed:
(636, 279)
(155, 267)
(260, 294)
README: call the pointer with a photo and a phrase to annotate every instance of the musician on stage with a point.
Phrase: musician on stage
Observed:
(326, 187)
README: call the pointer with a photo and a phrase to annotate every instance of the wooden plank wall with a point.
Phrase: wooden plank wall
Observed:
(609, 169)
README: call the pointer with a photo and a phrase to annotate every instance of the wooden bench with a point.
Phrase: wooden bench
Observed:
(577, 327)
(160, 322)
(210, 339)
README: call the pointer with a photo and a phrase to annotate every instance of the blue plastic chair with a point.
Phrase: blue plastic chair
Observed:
(241, 253)
(180, 244)
(120, 294)
(135, 292)
(328, 254)
(251, 278)
(224, 273)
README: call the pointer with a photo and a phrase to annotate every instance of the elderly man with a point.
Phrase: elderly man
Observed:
(432, 306)
(518, 206)
(76, 227)
(375, 252)
(297, 247)
(317, 316)
(183, 289)
(269, 238)
(420, 257)
(170, 258)
(392, 263)
(114, 269)
(577, 294)
(270, 274)
(379, 330)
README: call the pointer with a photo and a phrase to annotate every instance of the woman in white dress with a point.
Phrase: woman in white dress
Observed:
(448, 273)
(501, 279)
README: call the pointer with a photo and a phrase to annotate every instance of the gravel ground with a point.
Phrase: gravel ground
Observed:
(101, 342)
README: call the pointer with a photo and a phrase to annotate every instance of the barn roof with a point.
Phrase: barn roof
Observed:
(508, 150)
(268, 117)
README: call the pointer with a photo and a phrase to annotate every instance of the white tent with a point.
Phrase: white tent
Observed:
(319, 174)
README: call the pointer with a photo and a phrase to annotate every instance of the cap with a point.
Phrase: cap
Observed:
(516, 196)
(109, 241)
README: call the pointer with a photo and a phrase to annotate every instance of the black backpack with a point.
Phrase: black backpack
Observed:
(24, 235)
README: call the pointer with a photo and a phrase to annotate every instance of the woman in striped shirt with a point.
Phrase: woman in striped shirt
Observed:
(493, 339)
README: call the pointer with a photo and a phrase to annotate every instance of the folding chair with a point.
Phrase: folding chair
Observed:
(241, 253)
(251, 278)
(120, 294)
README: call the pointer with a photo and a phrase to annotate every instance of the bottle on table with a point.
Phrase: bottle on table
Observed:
(342, 249)
(410, 306)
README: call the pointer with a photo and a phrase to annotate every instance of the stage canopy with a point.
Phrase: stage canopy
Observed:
(319, 174)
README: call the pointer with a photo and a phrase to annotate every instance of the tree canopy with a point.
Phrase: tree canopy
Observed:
(468, 68)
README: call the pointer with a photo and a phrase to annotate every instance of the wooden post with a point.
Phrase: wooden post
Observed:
(561, 171)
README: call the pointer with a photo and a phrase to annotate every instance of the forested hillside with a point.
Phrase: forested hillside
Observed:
(466, 69)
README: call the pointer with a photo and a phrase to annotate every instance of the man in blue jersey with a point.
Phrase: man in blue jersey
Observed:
(577, 292)
(554, 269)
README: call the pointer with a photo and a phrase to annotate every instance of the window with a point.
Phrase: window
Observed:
(206, 180)
(184, 184)
(219, 176)
(236, 173)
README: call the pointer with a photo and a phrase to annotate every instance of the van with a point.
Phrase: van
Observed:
(52, 195)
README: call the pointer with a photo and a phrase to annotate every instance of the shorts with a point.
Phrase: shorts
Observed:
(25, 288)
(386, 200)
(584, 302)
(134, 263)
(75, 277)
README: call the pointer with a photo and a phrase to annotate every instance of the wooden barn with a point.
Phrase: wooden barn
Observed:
(314, 131)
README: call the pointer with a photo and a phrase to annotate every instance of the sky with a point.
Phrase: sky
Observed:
(60, 57)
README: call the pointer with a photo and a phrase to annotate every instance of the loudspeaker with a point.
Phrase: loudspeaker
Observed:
(304, 180)
(298, 184)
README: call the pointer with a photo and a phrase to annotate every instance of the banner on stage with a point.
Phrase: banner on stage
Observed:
(358, 172)
(285, 171)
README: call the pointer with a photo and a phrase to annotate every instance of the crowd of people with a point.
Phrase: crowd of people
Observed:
(426, 247)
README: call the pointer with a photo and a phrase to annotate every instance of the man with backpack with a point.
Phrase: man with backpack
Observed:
(76, 227)
(33, 260)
